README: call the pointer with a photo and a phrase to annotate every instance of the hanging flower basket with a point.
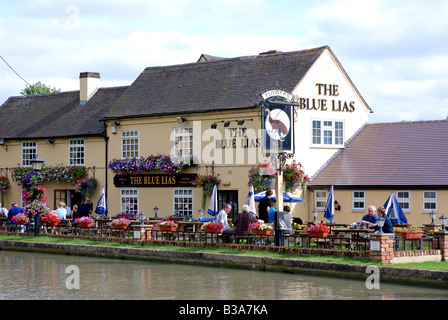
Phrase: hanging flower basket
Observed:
(4, 184)
(207, 183)
(294, 177)
(262, 177)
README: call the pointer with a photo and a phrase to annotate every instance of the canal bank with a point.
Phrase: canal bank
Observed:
(422, 277)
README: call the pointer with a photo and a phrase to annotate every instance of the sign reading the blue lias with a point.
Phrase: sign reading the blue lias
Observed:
(277, 123)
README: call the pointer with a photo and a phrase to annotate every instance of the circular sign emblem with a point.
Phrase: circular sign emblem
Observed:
(277, 124)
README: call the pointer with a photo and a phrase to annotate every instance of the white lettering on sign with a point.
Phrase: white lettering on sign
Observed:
(277, 93)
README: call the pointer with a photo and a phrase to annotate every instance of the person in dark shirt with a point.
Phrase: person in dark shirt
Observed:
(85, 208)
(242, 221)
(14, 210)
(388, 227)
(264, 206)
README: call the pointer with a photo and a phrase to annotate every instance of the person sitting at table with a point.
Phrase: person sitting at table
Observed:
(242, 221)
(370, 218)
(62, 212)
(221, 218)
(388, 227)
(283, 224)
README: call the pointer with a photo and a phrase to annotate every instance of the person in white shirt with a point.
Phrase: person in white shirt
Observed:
(222, 218)
(62, 212)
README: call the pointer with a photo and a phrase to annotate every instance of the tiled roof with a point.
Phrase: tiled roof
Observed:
(56, 115)
(213, 84)
(391, 154)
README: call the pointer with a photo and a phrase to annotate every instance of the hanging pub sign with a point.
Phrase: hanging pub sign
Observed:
(154, 180)
(277, 125)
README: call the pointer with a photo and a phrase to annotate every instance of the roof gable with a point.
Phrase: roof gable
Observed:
(391, 154)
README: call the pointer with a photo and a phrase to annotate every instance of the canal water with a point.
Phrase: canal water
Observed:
(35, 276)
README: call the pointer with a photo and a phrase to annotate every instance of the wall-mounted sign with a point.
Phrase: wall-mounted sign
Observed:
(278, 128)
(154, 180)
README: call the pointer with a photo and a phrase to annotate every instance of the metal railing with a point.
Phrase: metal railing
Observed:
(289, 240)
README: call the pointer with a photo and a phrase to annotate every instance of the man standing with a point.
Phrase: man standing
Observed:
(264, 206)
(14, 210)
(222, 218)
(85, 208)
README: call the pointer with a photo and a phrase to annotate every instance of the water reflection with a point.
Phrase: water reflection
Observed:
(43, 276)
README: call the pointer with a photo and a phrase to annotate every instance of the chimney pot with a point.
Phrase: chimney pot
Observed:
(89, 83)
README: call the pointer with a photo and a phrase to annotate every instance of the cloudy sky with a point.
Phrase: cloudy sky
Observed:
(395, 51)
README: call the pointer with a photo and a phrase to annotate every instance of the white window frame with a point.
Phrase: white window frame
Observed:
(183, 142)
(358, 200)
(427, 200)
(320, 199)
(29, 152)
(183, 197)
(76, 152)
(323, 132)
(130, 144)
(404, 200)
(129, 201)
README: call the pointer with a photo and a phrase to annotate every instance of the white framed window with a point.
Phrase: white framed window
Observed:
(130, 143)
(320, 199)
(76, 152)
(183, 201)
(183, 141)
(429, 201)
(129, 201)
(29, 151)
(358, 200)
(404, 200)
(327, 133)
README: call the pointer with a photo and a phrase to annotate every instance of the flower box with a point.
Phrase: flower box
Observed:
(317, 234)
(262, 232)
(210, 230)
(167, 227)
(84, 224)
(52, 223)
(120, 226)
(412, 235)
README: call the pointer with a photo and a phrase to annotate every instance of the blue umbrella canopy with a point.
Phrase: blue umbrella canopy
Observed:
(394, 211)
(287, 197)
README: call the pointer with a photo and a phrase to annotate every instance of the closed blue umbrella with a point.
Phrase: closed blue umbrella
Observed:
(394, 211)
(329, 208)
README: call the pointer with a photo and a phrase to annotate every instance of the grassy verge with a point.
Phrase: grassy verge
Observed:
(422, 265)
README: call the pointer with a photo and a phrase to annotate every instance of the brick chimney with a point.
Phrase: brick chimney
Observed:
(89, 83)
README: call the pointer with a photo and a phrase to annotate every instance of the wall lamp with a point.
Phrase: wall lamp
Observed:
(337, 206)
(50, 141)
(3, 144)
(227, 123)
(114, 127)
(181, 119)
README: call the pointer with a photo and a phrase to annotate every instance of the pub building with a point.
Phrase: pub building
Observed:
(210, 116)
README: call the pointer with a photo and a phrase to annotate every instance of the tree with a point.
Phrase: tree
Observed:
(38, 88)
